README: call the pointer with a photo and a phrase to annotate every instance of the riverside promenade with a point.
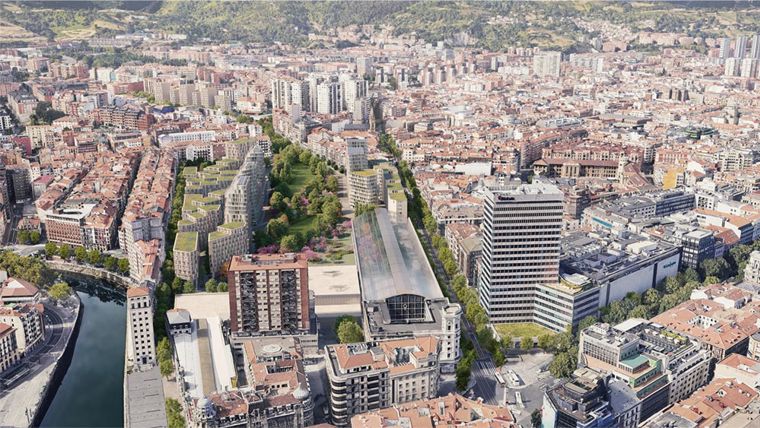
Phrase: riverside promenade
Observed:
(26, 391)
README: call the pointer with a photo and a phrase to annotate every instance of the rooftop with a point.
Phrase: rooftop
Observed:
(186, 241)
(390, 258)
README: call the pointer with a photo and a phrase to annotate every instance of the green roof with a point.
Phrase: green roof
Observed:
(232, 225)
(397, 196)
(213, 236)
(364, 172)
(189, 171)
(186, 241)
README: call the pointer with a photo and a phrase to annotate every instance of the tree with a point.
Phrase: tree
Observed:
(588, 321)
(430, 224)
(331, 184)
(615, 313)
(290, 243)
(110, 263)
(498, 357)
(350, 332)
(718, 267)
(340, 320)
(535, 418)
(464, 368)
(277, 201)
(174, 414)
(164, 355)
(59, 291)
(166, 367)
(276, 228)
(188, 287)
(80, 254)
(562, 365)
(51, 249)
(526, 343)
(546, 341)
(651, 296)
(211, 286)
(243, 118)
(711, 280)
(124, 266)
(640, 311)
(177, 285)
(65, 251)
(672, 284)
(691, 275)
(459, 282)
(93, 256)
(450, 266)
(44, 113)
(22, 237)
(222, 287)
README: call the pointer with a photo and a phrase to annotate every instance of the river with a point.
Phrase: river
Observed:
(91, 394)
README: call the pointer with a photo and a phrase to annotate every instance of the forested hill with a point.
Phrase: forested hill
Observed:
(544, 24)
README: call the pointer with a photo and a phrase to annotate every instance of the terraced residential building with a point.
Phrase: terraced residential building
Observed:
(229, 239)
(187, 256)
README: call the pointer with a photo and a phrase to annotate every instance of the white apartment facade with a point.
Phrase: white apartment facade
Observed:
(141, 348)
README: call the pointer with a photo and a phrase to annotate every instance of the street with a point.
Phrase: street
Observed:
(21, 389)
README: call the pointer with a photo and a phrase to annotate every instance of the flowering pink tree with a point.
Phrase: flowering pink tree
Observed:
(269, 249)
(309, 254)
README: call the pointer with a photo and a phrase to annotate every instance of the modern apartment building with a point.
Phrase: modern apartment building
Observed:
(329, 98)
(141, 348)
(370, 376)
(246, 195)
(659, 365)
(547, 64)
(229, 239)
(356, 154)
(521, 248)
(186, 256)
(268, 293)
(366, 187)
(380, 185)
(9, 355)
(27, 322)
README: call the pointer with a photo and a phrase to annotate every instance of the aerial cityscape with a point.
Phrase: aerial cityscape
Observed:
(382, 214)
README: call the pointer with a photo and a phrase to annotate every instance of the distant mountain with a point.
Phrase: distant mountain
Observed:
(544, 24)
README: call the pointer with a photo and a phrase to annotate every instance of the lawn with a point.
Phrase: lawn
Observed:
(517, 330)
(300, 174)
(303, 224)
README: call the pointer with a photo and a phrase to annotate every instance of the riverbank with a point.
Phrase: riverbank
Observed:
(90, 394)
(90, 271)
(27, 400)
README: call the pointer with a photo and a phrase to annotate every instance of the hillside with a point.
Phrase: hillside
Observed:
(544, 24)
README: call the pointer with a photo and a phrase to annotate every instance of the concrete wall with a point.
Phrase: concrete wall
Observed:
(113, 278)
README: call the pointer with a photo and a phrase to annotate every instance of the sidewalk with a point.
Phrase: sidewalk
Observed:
(19, 405)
